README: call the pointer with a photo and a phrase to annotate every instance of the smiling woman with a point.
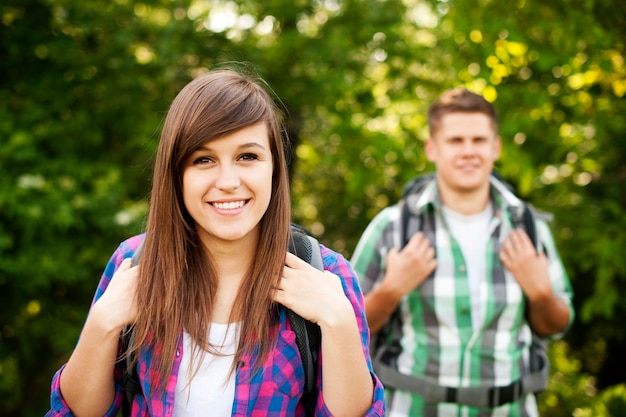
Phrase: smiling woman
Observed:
(209, 298)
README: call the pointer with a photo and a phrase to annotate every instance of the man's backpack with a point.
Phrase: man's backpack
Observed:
(308, 334)
(386, 344)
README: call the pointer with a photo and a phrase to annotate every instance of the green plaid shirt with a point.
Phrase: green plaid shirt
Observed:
(438, 340)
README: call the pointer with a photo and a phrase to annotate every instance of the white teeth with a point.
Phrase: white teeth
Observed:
(229, 206)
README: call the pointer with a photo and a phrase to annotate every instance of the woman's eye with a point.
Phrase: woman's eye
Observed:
(203, 160)
(249, 157)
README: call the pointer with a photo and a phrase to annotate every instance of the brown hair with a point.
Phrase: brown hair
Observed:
(177, 279)
(459, 100)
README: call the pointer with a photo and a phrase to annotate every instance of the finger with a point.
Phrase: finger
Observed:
(424, 247)
(416, 240)
(510, 243)
(293, 261)
(429, 253)
(505, 258)
(277, 295)
(425, 250)
(516, 237)
(506, 247)
(126, 264)
(522, 242)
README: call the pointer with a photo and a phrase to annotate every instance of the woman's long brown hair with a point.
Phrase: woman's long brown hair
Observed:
(177, 280)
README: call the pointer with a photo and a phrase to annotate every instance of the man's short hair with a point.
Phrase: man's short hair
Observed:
(459, 100)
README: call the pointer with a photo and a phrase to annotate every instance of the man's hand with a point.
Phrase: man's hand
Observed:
(529, 268)
(409, 267)
(547, 314)
(406, 270)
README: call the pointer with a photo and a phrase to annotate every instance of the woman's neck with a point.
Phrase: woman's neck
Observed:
(232, 261)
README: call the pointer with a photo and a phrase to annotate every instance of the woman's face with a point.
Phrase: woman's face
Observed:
(227, 185)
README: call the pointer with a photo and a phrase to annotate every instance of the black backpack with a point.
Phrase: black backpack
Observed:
(385, 344)
(308, 334)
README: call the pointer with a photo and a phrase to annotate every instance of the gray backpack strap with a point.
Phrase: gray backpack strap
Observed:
(472, 396)
(316, 255)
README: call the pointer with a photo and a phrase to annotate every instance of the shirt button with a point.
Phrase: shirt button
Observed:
(461, 268)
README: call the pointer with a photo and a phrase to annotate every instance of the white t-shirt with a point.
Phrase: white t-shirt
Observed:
(472, 233)
(212, 390)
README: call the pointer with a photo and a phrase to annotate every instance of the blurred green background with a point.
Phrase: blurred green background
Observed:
(84, 87)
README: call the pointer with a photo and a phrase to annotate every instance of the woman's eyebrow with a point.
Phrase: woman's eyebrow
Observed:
(252, 145)
(246, 145)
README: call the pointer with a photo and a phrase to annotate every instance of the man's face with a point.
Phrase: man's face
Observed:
(464, 149)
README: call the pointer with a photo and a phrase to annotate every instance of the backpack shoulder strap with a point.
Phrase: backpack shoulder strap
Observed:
(385, 345)
(524, 218)
(308, 334)
(537, 380)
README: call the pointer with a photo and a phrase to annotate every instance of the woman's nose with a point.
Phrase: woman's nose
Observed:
(228, 179)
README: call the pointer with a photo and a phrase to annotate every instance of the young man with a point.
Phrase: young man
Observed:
(470, 288)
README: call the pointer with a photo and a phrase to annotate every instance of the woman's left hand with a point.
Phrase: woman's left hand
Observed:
(319, 297)
(315, 295)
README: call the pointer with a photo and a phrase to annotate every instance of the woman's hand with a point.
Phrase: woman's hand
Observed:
(87, 379)
(116, 307)
(319, 297)
(313, 294)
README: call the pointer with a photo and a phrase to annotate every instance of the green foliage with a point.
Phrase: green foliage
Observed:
(569, 390)
(84, 87)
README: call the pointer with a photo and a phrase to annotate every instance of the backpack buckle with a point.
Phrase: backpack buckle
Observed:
(498, 396)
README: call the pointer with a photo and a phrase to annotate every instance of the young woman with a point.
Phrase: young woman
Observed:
(208, 299)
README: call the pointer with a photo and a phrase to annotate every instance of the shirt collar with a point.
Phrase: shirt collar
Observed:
(500, 193)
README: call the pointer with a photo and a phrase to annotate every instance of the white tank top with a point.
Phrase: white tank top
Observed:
(212, 390)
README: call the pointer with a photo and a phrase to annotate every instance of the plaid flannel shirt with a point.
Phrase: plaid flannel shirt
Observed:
(274, 390)
(438, 341)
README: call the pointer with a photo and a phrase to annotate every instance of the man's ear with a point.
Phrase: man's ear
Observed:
(497, 148)
(431, 149)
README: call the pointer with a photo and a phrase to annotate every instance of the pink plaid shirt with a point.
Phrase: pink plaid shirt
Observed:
(274, 390)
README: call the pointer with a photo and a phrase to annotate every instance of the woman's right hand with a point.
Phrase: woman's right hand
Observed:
(87, 379)
(117, 304)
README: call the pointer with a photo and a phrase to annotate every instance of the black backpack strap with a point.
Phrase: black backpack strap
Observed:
(386, 343)
(539, 363)
(129, 374)
(523, 217)
(308, 334)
